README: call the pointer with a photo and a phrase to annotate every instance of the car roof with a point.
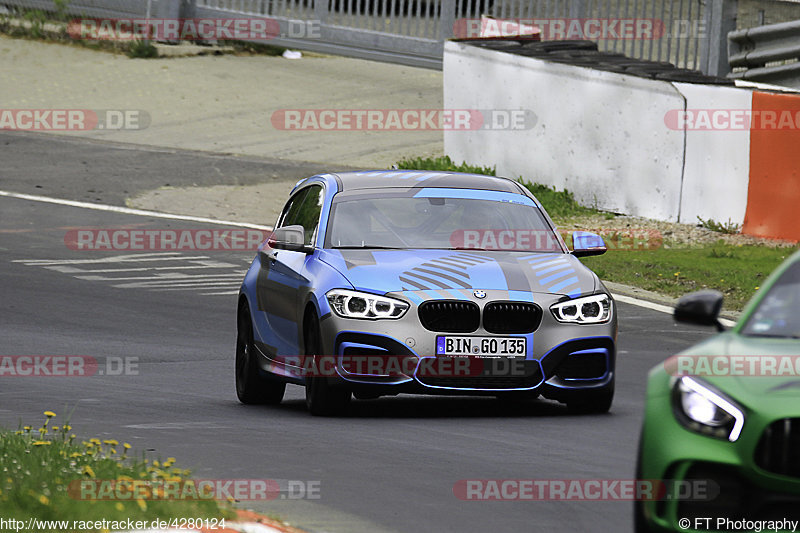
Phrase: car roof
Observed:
(379, 179)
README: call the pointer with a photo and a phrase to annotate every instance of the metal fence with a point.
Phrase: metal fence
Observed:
(690, 33)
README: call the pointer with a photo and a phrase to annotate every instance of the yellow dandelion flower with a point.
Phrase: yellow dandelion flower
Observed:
(758, 288)
(126, 445)
(87, 470)
(75, 454)
(55, 428)
(66, 427)
(119, 507)
(41, 443)
(44, 500)
(49, 414)
(96, 441)
(142, 504)
(27, 428)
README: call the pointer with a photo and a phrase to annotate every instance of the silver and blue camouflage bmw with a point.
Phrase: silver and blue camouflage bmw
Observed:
(393, 281)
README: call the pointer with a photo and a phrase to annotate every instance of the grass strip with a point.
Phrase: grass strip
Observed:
(50, 475)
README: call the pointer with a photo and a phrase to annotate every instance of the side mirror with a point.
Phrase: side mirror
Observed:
(701, 308)
(291, 238)
(585, 243)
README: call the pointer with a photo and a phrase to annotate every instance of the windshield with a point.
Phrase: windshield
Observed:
(442, 221)
(778, 314)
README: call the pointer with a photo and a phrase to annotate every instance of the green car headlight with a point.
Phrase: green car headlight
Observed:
(355, 304)
(593, 309)
(701, 408)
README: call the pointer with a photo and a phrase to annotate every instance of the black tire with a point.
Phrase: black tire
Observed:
(251, 387)
(322, 399)
(640, 524)
(592, 402)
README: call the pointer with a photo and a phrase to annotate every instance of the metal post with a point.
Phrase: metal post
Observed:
(447, 19)
(321, 10)
(721, 21)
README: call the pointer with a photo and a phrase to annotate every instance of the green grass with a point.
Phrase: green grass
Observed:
(43, 468)
(142, 50)
(736, 271)
(559, 204)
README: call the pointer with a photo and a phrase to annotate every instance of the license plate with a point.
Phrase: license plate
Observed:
(482, 346)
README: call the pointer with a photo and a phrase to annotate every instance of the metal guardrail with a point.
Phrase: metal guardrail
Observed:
(766, 53)
(691, 32)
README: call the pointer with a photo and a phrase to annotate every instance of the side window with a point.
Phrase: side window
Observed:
(304, 210)
(289, 213)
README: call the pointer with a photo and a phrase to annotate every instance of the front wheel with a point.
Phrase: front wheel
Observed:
(322, 398)
(593, 401)
(251, 386)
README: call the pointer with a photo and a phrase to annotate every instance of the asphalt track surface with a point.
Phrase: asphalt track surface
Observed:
(389, 466)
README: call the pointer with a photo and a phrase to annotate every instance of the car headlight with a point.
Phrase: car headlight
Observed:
(587, 310)
(354, 304)
(703, 409)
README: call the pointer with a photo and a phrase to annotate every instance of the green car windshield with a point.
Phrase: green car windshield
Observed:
(439, 223)
(778, 313)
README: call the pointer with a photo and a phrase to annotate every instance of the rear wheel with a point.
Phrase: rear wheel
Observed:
(251, 386)
(322, 398)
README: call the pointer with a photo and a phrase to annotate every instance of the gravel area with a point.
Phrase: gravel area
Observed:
(671, 234)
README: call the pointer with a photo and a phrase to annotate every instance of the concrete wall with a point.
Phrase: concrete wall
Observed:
(600, 135)
(717, 162)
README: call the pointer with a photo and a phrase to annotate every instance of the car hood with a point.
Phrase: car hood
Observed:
(455, 274)
(768, 376)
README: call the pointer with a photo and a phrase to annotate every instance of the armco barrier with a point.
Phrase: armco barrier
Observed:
(614, 141)
(764, 51)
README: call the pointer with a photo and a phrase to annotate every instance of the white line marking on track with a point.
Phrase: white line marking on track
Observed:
(157, 214)
(129, 211)
(658, 307)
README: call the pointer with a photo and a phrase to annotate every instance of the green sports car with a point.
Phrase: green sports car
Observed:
(721, 433)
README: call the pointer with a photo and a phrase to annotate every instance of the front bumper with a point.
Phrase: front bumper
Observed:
(560, 358)
(731, 483)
